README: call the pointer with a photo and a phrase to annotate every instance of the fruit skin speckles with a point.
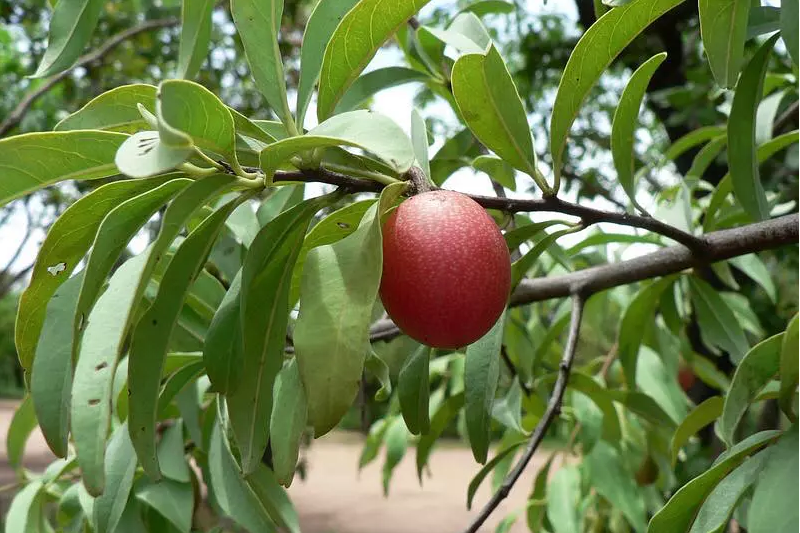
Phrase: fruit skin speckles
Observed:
(446, 269)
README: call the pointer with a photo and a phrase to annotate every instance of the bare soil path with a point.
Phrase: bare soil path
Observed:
(335, 498)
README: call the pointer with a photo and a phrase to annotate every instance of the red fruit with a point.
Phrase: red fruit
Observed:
(446, 269)
(686, 378)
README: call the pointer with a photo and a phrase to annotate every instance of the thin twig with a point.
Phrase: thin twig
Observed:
(553, 409)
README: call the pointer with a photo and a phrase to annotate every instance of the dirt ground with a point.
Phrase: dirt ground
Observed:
(336, 499)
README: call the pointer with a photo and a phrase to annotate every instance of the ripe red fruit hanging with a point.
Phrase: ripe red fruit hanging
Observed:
(446, 269)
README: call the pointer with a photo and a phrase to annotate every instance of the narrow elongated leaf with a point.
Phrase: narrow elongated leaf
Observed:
(466, 34)
(638, 315)
(643, 406)
(755, 370)
(51, 380)
(396, 446)
(172, 500)
(626, 118)
(35, 160)
(258, 24)
(378, 368)
(489, 7)
(681, 509)
(701, 416)
(492, 109)
(610, 478)
(25, 512)
(723, 27)
(594, 391)
(595, 51)
(789, 367)
(114, 110)
(274, 499)
(266, 280)
(94, 373)
(371, 83)
(288, 423)
(789, 22)
(222, 349)
(756, 270)
(743, 161)
(536, 508)
(171, 455)
(488, 467)
(195, 36)
(232, 493)
(718, 324)
(773, 506)
(319, 28)
(197, 112)
(120, 469)
(497, 169)
(149, 339)
(280, 200)
(113, 235)
(413, 391)
(704, 158)
(480, 384)
(419, 140)
(520, 267)
(354, 42)
(370, 131)
(66, 243)
(692, 139)
(21, 427)
(439, 422)
(718, 507)
(763, 19)
(563, 499)
(339, 288)
(71, 27)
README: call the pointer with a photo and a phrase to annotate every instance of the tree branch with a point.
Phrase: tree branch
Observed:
(16, 115)
(553, 409)
(719, 245)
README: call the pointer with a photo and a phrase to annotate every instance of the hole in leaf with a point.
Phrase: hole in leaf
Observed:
(94, 401)
(101, 366)
(57, 268)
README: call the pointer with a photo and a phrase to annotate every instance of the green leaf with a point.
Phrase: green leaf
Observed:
(608, 475)
(171, 454)
(66, 243)
(21, 427)
(94, 373)
(587, 385)
(492, 109)
(489, 7)
(704, 158)
(681, 509)
(701, 416)
(197, 112)
(789, 17)
(320, 27)
(359, 35)
(266, 280)
(71, 27)
(600, 239)
(144, 154)
(195, 36)
(439, 422)
(773, 507)
(626, 119)
(656, 378)
(274, 499)
(222, 349)
(288, 423)
(117, 229)
(174, 501)
(536, 506)
(366, 86)
(114, 110)
(378, 368)
(419, 140)
(51, 379)
(755, 370)
(763, 19)
(339, 287)
(497, 169)
(692, 139)
(280, 200)
(25, 514)
(120, 469)
(258, 24)
(520, 267)
(396, 445)
(35, 160)
(466, 33)
(563, 499)
(244, 224)
(643, 406)
(373, 442)
(742, 158)
(718, 507)
(718, 324)
(232, 493)
(756, 270)
(723, 27)
(370, 131)
(148, 345)
(507, 410)
(636, 319)
(789, 367)
(480, 384)
(488, 467)
(413, 391)
(595, 51)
